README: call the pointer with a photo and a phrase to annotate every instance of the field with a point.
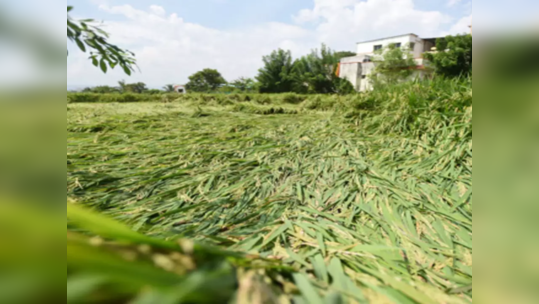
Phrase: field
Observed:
(273, 198)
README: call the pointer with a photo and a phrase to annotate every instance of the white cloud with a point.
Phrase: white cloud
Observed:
(169, 49)
(452, 3)
(462, 26)
(343, 22)
(323, 9)
(158, 10)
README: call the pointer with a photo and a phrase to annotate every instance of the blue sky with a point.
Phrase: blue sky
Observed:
(228, 14)
(222, 14)
(174, 39)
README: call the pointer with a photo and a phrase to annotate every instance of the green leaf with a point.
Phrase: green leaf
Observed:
(294, 256)
(80, 45)
(153, 296)
(307, 289)
(79, 287)
(320, 239)
(74, 27)
(333, 298)
(69, 8)
(103, 226)
(401, 286)
(320, 268)
(275, 234)
(103, 65)
(126, 70)
(102, 32)
(300, 193)
(115, 268)
(337, 274)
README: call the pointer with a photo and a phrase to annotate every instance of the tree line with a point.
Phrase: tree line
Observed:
(313, 73)
(123, 87)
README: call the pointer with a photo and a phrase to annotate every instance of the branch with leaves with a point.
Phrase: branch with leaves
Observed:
(89, 37)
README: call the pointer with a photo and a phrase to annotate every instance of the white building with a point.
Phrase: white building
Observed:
(358, 68)
(180, 89)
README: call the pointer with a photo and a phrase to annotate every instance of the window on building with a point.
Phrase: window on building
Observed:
(398, 45)
(412, 46)
(377, 47)
(363, 76)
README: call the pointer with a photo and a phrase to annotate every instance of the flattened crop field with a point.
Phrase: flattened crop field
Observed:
(329, 200)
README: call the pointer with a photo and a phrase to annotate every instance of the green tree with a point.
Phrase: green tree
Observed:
(102, 90)
(344, 54)
(207, 80)
(168, 88)
(276, 75)
(453, 57)
(392, 65)
(90, 37)
(228, 89)
(138, 87)
(244, 84)
(316, 73)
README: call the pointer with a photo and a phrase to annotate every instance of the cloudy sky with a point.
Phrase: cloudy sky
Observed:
(174, 39)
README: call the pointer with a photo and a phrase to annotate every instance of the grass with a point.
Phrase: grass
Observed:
(336, 199)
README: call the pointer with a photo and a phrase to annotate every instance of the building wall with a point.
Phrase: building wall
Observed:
(368, 47)
(365, 82)
(350, 69)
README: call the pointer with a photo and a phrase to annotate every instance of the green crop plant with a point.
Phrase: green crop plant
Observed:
(363, 198)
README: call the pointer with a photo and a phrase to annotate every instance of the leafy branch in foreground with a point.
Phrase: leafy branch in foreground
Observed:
(103, 54)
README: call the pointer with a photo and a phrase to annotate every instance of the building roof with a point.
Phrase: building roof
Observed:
(410, 34)
(433, 38)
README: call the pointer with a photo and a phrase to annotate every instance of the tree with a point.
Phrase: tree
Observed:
(228, 89)
(244, 84)
(168, 88)
(275, 76)
(139, 87)
(344, 54)
(454, 56)
(89, 36)
(102, 90)
(207, 80)
(153, 91)
(122, 85)
(316, 73)
(392, 65)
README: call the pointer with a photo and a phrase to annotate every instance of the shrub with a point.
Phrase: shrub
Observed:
(110, 97)
(292, 98)
(252, 109)
(263, 99)
(322, 103)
